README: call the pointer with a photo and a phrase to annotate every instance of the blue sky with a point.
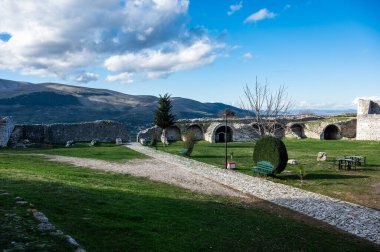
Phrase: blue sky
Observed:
(326, 53)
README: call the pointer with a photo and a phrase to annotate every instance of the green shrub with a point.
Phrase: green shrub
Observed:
(188, 142)
(273, 150)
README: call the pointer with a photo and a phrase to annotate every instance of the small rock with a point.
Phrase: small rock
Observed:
(22, 202)
(92, 143)
(119, 141)
(322, 156)
(69, 143)
(293, 162)
(57, 233)
(19, 199)
(72, 241)
(41, 217)
(46, 227)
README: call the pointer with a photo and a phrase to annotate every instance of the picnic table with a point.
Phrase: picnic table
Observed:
(346, 163)
(359, 160)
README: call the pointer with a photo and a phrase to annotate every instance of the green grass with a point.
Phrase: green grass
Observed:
(115, 212)
(360, 186)
(102, 151)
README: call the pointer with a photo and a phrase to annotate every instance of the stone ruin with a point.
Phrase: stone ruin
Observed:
(6, 129)
(244, 130)
(368, 120)
(61, 133)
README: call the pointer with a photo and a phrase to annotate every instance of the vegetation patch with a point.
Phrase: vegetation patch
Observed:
(273, 150)
(321, 177)
(114, 212)
(102, 151)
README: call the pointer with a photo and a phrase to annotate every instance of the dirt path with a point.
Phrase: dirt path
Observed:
(157, 170)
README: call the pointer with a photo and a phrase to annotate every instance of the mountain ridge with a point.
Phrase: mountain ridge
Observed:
(61, 103)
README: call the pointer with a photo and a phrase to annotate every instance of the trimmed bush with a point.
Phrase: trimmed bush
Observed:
(273, 150)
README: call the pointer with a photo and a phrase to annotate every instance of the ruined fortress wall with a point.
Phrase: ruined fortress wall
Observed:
(6, 128)
(102, 131)
(368, 125)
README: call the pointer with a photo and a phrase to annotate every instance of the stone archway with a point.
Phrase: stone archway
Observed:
(221, 136)
(173, 133)
(197, 131)
(257, 132)
(331, 132)
(279, 130)
(297, 130)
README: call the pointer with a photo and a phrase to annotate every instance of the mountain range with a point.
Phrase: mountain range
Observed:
(56, 103)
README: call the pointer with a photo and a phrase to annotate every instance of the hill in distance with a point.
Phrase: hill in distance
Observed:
(58, 103)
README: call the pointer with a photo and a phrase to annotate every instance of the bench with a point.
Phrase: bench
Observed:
(263, 167)
(183, 152)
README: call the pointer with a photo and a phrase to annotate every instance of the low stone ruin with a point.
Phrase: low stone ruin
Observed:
(6, 129)
(61, 133)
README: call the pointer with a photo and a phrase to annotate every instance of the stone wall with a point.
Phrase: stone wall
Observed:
(102, 131)
(368, 125)
(6, 128)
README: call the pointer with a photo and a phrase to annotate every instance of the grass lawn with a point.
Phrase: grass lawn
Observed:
(114, 212)
(361, 186)
(102, 151)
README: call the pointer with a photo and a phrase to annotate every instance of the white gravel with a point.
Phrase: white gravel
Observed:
(158, 170)
(355, 219)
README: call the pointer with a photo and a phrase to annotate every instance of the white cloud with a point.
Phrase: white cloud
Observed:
(64, 37)
(234, 8)
(321, 105)
(125, 78)
(247, 56)
(86, 77)
(260, 15)
(160, 63)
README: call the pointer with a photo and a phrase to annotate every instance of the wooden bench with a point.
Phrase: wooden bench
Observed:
(183, 151)
(263, 167)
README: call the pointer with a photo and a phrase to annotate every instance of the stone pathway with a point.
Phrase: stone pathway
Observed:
(355, 219)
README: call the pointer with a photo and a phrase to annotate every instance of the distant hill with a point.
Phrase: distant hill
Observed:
(52, 103)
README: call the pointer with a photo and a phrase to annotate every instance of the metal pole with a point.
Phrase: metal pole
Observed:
(225, 143)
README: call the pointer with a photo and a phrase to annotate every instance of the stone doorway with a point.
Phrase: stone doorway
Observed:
(331, 132)
(220, 134)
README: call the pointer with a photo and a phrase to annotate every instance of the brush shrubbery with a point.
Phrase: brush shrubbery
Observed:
(273, 150)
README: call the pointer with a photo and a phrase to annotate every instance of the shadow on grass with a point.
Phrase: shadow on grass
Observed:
(314, 176)
(118, 219)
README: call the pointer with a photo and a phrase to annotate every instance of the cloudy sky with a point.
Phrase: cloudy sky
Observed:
(326, 53)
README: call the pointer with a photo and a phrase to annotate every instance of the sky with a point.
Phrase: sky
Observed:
(326, 53)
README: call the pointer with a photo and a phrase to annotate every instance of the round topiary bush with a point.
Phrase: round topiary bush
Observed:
(273, 150)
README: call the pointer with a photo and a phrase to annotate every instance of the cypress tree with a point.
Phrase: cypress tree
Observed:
(163, 116)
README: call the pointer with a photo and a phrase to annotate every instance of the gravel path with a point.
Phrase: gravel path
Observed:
(355, 219)
(158, 171)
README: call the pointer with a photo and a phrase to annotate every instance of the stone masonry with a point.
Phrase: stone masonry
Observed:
(368, 116)
(6, 128)
(243, 129)
(60, 133)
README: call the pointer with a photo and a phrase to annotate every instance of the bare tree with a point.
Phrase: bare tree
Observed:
(266, 107)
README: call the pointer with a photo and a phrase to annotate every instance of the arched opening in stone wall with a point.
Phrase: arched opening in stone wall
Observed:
(220, 134)
(173, 133)
(279, 130)
(297, 130)
(197, 131)
(331, 132)
(256, 131)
